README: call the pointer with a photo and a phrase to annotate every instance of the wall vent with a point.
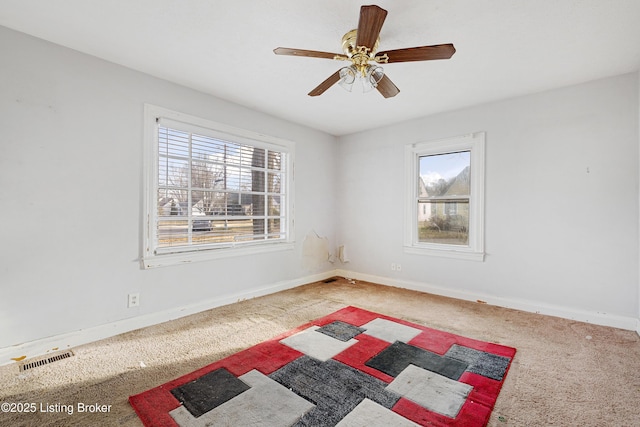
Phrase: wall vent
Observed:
(44, 360)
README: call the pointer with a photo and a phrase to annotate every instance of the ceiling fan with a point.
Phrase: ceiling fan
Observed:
(360, 48)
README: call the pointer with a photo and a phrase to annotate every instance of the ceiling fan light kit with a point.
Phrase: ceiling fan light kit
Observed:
(360, 47)
(369, 77)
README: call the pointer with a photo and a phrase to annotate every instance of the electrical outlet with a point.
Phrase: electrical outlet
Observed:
(134, 300)
(393, 266)
(398, 267)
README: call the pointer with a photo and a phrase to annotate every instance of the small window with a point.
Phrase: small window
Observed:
(445, 182)
(213, 190)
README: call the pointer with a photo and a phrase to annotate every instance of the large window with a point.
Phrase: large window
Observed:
(213, 190)
(445, 187)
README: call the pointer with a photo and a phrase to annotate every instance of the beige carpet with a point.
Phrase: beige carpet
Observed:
(565, 373)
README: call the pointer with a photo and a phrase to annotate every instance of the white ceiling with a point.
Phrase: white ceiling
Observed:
(505, 48)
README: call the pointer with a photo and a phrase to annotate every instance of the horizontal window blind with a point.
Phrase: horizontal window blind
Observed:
(215, 192)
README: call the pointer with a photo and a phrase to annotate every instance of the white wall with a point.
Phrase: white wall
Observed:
(71, 194)
(561, 202)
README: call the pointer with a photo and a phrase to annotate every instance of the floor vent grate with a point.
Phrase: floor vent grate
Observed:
(44, 360)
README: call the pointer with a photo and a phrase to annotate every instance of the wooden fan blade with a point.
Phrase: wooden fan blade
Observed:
(387, 88)
(369, 26)
(322, 87)
(422, 53)
(309, 53)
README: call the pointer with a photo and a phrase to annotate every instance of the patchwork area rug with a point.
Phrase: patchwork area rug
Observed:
(351, 368)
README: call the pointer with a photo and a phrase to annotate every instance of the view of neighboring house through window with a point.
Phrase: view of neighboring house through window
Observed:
(445, 197)
(214, 189)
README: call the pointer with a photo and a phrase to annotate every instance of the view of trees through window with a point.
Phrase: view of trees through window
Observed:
(443, 198)
(212, 191)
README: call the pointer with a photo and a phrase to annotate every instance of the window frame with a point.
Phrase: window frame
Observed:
(475, 144)
(152, 255)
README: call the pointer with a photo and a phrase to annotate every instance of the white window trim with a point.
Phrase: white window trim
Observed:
(475, 249)
(149, 258)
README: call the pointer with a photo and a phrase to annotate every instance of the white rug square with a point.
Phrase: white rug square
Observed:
(316, 344)
(370, 414)
(430, 390)
(389, 331)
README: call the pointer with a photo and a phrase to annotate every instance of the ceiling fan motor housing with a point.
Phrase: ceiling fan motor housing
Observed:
(359, 55)
(349, 44)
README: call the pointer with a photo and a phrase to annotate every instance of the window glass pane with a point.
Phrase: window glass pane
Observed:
(173, 172)
(257, 181)
(206, 203)
(205, 174)
(275, 227)
(274, 184)
(231, 178)
(233, 154)
(246, 180)
(172, 202)
(246, 157)
(275, 160)
(207, 148)
(256, 207)
(258, 229)
(173, 143)
(234, 204)
(444, 174)
(275, 205)
(257, 157)
(445, 222)
(173, 233)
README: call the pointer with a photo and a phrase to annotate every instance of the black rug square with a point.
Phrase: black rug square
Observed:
(335, 388)
(340, 330)
(480, 362)
(209, 391)
(395, 358)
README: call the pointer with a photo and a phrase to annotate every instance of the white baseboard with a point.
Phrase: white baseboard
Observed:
(72, 339)
(603, 319)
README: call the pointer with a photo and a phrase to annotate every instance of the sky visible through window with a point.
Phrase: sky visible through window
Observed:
(443, 166)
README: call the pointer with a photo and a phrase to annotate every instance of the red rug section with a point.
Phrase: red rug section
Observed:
(153, 406)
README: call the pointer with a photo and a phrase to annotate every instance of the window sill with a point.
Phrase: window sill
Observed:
(165, 260)
(446, 253)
